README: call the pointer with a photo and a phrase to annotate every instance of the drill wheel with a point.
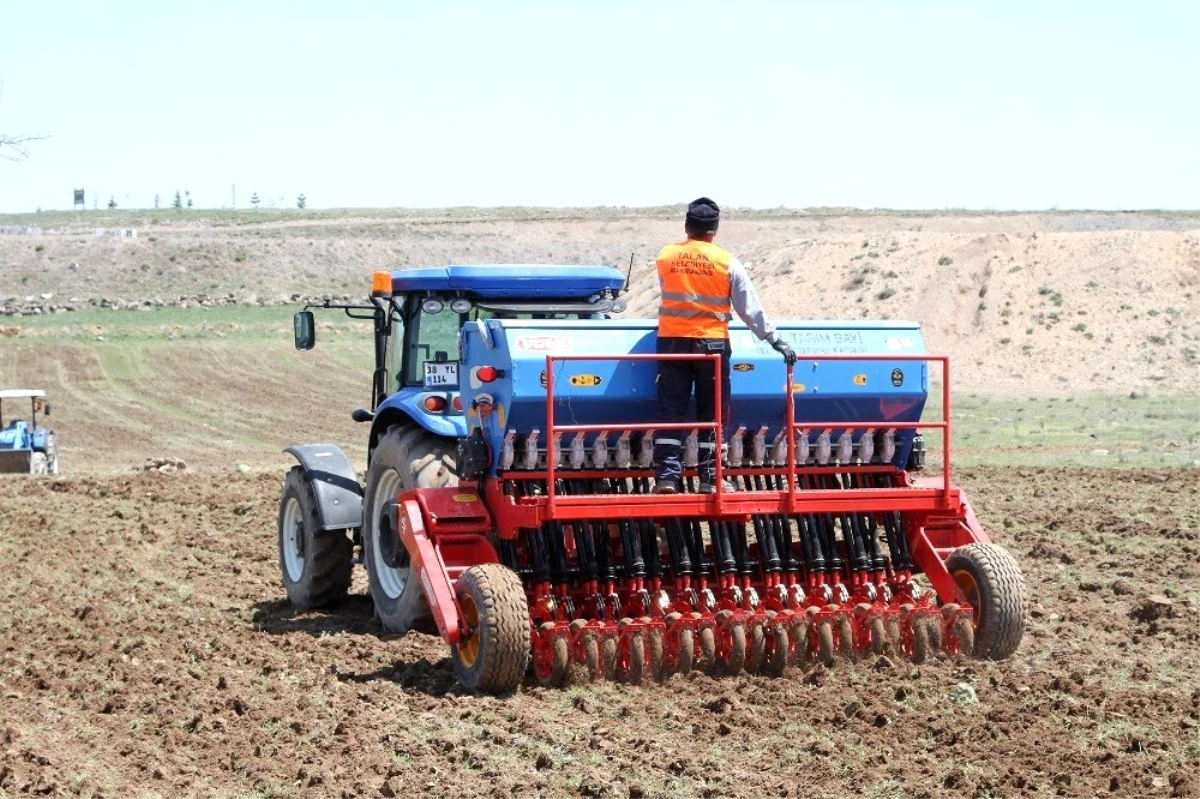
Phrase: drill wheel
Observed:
(630, 666)
(964, 633)
(920, 641)
(825, 651)
(757, 643)
(879, 639)
(777, 651)
(591, 652)
(992, 582)
(934, 625)
(730, 655)
(493, 654)
(961, 640)
(608, 657)
(679, 647)
(708, 648)
(551, 658)
(799, 653)
(891, 631)
(846, 638)
(655, 655)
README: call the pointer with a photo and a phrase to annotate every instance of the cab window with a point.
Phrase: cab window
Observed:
(435, 340)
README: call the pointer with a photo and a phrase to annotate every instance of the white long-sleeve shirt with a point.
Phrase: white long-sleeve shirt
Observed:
(744, 300)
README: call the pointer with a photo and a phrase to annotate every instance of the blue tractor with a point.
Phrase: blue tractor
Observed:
(26, 447)
(416, 420)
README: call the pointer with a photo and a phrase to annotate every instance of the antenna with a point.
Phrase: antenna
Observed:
(629, 273)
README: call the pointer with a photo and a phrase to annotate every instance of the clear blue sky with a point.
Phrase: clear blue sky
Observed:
(1026, 104)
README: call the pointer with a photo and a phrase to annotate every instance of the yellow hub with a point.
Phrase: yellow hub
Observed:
(970, 588)
(468, 648)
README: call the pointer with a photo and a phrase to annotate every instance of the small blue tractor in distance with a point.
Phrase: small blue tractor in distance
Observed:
(416, 420)
(26, 447)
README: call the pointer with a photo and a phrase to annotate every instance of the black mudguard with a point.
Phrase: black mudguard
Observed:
(339, 494)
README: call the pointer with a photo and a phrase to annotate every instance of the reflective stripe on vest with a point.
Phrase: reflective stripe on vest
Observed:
(694, 278)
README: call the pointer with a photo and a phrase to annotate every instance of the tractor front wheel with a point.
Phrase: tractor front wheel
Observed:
(406, 457)
(992, 583)
(316, 564)
(493, 653)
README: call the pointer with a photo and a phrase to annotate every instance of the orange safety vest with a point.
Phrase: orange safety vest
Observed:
(694, 278)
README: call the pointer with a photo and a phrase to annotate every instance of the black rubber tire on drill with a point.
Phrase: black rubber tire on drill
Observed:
(405, 457)
(992, 581)
(316, 564)
(494, 655)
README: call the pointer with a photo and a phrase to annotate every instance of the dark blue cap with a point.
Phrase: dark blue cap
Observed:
(703, 215)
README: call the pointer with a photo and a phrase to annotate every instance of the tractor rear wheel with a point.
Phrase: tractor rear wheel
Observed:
(493, 653)
(316, 564)
(992, 582)
(406, 457)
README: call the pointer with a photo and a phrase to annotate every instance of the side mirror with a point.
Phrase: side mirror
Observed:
(306, 330)
(46, 409)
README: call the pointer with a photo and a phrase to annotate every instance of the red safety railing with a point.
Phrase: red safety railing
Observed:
(551, 429)
(943, 425)
(790, 500)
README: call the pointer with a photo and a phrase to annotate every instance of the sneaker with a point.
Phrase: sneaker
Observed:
(711, 488)
(666, 487)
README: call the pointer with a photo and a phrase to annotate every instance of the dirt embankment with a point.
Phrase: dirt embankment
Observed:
(148, 649)
(1029, 304)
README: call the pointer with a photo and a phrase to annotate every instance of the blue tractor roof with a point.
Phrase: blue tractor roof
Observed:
(496, 281)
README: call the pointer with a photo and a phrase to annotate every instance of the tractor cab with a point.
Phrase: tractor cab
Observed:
(25, 446)
(419, 314)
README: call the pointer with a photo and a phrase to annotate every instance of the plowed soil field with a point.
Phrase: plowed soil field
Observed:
(146, 649)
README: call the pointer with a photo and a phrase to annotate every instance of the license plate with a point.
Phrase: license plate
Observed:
(438, 375)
